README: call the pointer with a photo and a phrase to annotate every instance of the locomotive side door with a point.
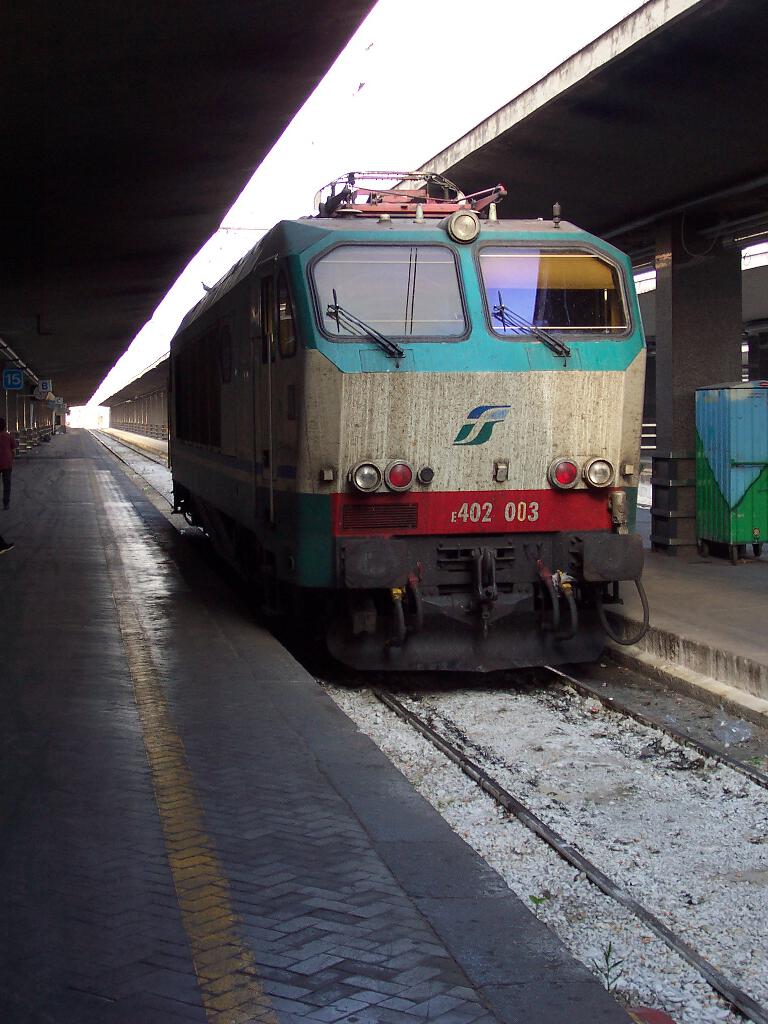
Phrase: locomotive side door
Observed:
(276, 416)
(263, 435)
(286, 398)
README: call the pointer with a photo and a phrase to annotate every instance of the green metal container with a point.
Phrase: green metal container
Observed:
(732, 466)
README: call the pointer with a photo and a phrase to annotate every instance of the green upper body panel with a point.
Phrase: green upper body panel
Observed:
(297, 245)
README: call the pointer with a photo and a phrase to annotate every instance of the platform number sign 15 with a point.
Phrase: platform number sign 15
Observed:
(13, 380)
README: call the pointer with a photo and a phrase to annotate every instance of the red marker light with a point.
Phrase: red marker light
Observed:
(564, 473)
(399, 476)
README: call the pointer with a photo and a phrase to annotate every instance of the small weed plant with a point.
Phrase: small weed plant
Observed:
(608, 968)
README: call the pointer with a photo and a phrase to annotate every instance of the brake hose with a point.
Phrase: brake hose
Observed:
(626, 642)
(400, 631)
(546, 579)
(418, 603)
(574, 614)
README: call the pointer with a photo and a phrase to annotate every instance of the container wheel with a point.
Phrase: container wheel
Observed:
(757, 549)
(702, 547)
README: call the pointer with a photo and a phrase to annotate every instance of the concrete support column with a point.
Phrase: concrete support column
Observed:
(758, 356)
(698, 342)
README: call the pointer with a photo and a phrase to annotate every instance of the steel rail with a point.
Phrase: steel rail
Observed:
(132, 448)
(117, 455)
(739, 999)
(700, 746)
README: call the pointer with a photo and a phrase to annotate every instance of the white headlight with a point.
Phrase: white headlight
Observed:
(365, 476)
(463, 226)
(598, 472)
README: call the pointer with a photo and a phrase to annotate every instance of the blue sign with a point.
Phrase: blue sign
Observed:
(13, 380)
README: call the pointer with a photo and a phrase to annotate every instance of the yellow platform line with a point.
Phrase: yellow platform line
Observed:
(226, 970)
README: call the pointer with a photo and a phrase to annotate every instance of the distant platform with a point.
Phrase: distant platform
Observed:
(147, 444)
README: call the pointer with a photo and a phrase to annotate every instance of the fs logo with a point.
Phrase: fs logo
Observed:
(480, 424)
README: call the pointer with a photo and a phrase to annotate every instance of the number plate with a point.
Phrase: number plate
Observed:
(478, 512)
(515, 511)
(497, 511)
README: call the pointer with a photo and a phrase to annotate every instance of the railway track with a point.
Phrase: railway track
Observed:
(131, 447)
(114, 446)
(694, 885)
(735, 996)
(683, 738)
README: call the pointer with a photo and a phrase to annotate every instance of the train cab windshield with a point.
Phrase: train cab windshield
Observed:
(560, 290)
(402, 291)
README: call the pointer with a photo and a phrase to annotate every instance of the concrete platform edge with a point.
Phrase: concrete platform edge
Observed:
(714, 675)
(151, 445)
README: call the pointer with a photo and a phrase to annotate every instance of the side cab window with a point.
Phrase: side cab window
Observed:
(286, 324)
(267, 319)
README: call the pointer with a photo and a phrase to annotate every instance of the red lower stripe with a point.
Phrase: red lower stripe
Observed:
(426, 512)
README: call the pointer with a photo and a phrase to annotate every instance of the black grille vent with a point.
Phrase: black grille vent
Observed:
(380, 517)
(458, 559)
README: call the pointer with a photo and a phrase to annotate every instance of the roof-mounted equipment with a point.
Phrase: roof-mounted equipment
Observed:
(412, 194)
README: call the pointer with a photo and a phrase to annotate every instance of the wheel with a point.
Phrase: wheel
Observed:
(702, 547)
(757, 549)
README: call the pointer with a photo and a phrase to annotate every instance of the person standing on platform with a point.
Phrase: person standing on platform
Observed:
(7, 445)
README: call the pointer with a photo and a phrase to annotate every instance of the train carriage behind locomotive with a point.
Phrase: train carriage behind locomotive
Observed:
(424, 422)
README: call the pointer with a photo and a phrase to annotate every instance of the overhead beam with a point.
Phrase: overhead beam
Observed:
(129, 130)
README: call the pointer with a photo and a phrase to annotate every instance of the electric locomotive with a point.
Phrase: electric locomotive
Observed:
(419, 424)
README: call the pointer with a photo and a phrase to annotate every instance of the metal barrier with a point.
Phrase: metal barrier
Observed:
(29, 437)
(673, 512)
(158, 431)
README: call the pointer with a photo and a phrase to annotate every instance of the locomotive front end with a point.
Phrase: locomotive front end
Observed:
(505, 525)
(476, 390)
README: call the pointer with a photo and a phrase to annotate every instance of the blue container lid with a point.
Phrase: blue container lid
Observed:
(742, 385)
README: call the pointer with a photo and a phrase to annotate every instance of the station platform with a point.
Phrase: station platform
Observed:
(707, 625)
(191, 830)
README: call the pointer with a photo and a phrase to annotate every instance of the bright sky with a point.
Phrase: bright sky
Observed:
(392, 100)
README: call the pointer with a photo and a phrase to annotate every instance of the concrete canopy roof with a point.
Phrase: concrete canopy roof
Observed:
(129, 130)
(153, 379)
(666, 111)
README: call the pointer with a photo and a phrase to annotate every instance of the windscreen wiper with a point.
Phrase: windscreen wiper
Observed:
(359, 327)
(519, 325)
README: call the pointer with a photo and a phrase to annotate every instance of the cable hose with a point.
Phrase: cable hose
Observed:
(400, 631)
(555, 602)
(626, 642)
(574, 615)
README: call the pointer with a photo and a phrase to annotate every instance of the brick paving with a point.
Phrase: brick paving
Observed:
(335, 887)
